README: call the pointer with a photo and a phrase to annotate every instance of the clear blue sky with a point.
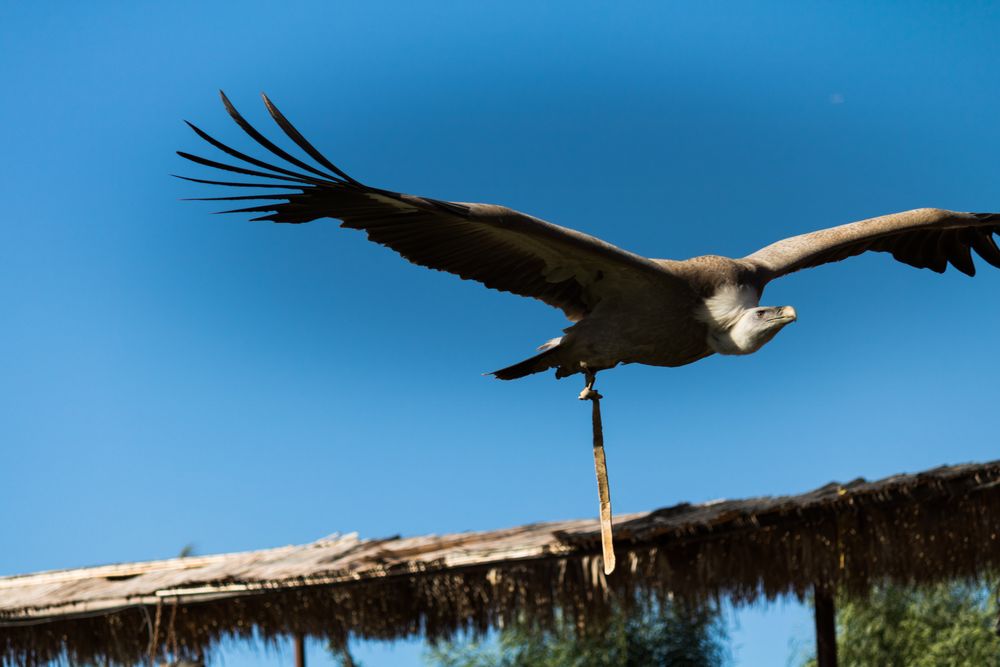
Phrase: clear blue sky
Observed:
(171, 377)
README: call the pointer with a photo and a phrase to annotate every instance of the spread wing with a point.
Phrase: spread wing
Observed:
(496, 246)
(927, 238)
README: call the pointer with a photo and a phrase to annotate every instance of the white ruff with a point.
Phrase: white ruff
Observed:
(724, 308)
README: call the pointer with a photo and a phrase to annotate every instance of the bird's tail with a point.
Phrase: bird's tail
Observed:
(540, 362)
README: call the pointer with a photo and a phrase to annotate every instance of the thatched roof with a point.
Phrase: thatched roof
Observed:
(940, 524)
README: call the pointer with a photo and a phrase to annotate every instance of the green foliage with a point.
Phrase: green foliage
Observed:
(648, 635)
(949, 625)
(343, 656)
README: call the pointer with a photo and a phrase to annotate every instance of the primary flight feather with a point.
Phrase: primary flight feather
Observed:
(626, 308)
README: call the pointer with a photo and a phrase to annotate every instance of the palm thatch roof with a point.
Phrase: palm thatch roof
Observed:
(914, 528)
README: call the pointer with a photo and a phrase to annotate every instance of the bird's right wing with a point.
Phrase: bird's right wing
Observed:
(496, 246)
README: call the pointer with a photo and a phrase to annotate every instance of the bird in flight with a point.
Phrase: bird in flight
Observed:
(625, 308)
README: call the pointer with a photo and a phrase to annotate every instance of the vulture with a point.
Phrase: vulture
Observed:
(625, 308)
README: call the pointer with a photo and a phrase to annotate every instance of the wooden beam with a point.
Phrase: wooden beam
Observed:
(300, 650)
(826, 628)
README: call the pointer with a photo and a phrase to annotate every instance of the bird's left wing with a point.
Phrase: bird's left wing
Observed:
(925, 238)
(497, 246)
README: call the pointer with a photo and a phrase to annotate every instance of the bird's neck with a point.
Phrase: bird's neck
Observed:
(722, 313)
(724, 308)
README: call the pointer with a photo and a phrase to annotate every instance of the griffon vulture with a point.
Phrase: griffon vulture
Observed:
(625, 308)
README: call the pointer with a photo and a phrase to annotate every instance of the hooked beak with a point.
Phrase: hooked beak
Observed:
(786, 314)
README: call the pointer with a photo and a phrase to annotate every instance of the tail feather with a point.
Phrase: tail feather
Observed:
(536, 364)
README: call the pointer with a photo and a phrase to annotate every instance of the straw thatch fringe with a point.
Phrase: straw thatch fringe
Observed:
(925, 528)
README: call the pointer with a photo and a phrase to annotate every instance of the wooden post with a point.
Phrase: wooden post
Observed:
(300, 650)
(601, 468)
(603, 490)
(826, 628)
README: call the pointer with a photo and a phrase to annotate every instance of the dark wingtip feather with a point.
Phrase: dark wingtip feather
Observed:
(252, 132)
(304, 144)
(252, 160)
(276, 195)
(237, 185)
(959, 252)
(241, 170)
(986, 247)
(230, 109)
(253, 209)
(968, 269)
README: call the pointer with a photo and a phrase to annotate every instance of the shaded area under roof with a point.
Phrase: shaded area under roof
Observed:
(914, 528)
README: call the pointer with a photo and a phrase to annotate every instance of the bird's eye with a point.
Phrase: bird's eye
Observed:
(760, 314)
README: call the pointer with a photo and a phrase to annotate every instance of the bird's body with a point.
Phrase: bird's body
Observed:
(625, 308)
(650, 322)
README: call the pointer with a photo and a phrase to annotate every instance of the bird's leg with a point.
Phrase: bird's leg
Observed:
(601, 468)
(589, 393)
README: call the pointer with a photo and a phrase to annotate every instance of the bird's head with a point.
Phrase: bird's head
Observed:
(751, 330)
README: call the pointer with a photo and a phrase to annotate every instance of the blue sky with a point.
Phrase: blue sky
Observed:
(171, 377)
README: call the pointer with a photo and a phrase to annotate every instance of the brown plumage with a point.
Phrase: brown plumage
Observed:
(927, 238)
(626, 308)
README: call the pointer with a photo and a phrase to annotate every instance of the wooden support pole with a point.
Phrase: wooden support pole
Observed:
(300, 650)
(601, 468)
(826, 627)
(603, 490)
